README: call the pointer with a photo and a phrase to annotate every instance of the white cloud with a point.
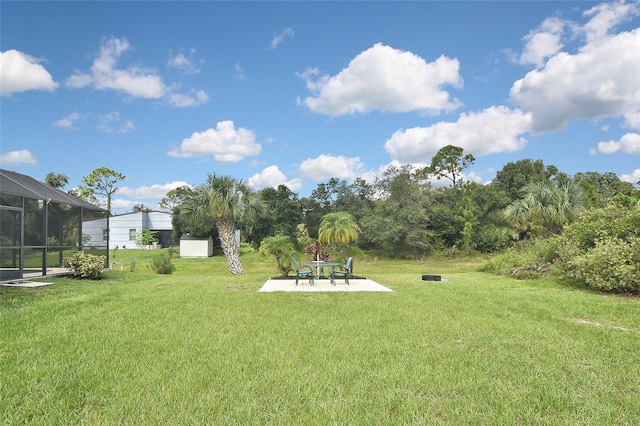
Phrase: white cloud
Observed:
(127, 126)
(327, 166)
(111, 122)
(628, 144)
(106, 123)
(122, 206)
(13, 158)
(600, 80)
(68, 122)
(606, 16)
(194, 98)
(239, 72)
(543, 42)
(386, 79)
(225, 143)
(187, 64)
(496, 129)
(632, 120)
(20, 72)
(472, 177)
(633, 177)
(372, 175)
(272, 177)
(156, 191)
(135, 81)
(293, 184)
(279, 37)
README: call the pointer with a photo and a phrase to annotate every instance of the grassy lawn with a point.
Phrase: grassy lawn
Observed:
(204, 347)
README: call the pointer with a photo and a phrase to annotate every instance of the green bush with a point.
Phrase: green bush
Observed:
(522, 262)
(614, 221)
(530, 272)
(163, 264)
(547, 250)
(85, 265)
(490, 239)
(612, 265)
(602, 250)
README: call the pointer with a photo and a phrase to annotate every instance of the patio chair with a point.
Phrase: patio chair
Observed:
(345, 272)
(302, 272)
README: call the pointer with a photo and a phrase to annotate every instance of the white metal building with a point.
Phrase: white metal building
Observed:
(124, 228)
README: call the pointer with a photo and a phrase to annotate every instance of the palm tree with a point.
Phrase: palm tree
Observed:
(225, 200)
(546, 205)
(282, 248)
(338, 228)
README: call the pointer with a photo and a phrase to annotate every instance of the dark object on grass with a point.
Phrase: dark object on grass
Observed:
(429, 277)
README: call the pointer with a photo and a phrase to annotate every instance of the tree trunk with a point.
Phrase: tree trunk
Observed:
(226, 228)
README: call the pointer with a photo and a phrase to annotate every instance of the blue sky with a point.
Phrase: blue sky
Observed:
(295, 93)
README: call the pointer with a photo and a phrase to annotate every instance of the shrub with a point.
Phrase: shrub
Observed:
(531, 271)
(490, 238)
(547, 250)
(612, 221)
(612, 265)
(602, 250)
(85, 265)
(281, 248)
(507, 262)
(163, 264)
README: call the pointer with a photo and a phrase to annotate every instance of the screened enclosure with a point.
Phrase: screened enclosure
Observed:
(40, 225)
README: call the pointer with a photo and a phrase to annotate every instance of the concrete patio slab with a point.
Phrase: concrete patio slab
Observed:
(25, 284)
(322, 285)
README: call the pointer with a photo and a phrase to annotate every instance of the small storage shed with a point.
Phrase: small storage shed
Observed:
(191, 246)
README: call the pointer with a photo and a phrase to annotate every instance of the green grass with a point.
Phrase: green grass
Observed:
(201, 346)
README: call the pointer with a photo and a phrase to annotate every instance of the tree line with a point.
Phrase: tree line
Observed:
(401, 214)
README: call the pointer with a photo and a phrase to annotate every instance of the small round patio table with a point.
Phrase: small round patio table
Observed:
(317, 266)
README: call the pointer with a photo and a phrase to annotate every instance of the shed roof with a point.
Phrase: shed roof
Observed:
(187, 236)
(26, 186)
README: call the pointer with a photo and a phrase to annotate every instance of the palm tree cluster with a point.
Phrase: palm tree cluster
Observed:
(340, 229)
(223, 200)
(282, 248)
(546, 207)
